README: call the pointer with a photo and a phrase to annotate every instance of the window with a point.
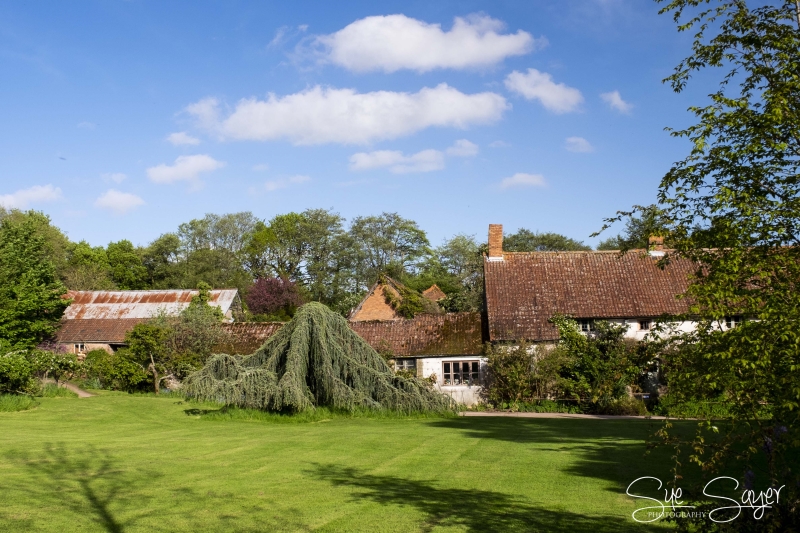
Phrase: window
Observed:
(644, 325)
(461, 372)
(409, 365)
(586, 325)
(79, 347)
(732, 321)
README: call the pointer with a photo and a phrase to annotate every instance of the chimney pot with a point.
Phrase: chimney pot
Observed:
(655, 245)
(495, 242)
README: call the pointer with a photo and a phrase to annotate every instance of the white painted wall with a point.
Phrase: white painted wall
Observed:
(465, 394)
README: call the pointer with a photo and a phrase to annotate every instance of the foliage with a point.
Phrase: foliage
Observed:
(510, 375)
(714, 409)
(527, 241)
(732, 206)
(601, 365)
(126, 267)
(407, 302)
(274, 296)
(51, 390)
(385, 244)
(314, 360)
(457, 268)
(638, 230)
(52, 364)
(16, 373)
(147, 346)
(117, 371)
(30, 294)
(10, 403)
(623, 406)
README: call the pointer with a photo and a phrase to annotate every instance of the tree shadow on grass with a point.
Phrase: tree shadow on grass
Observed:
(473, 510)
(612, 450)
(86, 482)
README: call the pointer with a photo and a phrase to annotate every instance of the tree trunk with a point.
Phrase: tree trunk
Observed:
(155, 373)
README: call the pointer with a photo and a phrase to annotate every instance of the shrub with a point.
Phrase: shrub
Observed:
(49, 364)
(510, 375)
(117, 371)
(51, 390)
(16, 374)
(623, 406)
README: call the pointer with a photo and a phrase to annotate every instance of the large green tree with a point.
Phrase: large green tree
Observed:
(31, 302)
(733, 206)
(528, 241)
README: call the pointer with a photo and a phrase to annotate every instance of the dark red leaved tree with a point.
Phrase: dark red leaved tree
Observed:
(269, 296)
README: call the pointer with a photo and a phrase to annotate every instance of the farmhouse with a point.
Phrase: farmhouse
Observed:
(525, 289)
(100, 319)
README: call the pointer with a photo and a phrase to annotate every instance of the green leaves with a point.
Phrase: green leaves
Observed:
(31, 302)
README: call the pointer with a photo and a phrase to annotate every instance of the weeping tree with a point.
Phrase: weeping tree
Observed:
(314, 360)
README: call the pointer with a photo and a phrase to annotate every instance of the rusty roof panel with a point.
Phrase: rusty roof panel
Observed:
(527, 288)
(138, 304)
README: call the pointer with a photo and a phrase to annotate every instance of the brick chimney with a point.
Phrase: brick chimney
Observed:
(655, 245)
(495, 242)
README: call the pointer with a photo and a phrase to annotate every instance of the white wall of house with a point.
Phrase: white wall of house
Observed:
(465, 394)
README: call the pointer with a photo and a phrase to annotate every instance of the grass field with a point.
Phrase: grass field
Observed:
(125, 463)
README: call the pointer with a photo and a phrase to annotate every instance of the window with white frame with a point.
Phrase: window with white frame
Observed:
(732, 321)
(79, 347)
(461, 372)
(586, 325)
(409, 365)
(645, 325)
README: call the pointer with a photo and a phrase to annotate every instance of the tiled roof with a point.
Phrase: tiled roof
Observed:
(450, 334)
(247, 337)
(525, 289)
(434, 293)
(98, 330)
(139, 304)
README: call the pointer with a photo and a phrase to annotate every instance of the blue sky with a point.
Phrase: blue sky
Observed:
(124, 119)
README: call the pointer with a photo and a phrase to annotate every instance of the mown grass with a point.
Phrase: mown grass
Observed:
(118, 462)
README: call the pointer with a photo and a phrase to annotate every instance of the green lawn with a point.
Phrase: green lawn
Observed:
(135, 463)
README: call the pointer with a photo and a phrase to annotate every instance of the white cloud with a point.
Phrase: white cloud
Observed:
(523, 180)
(118, 202)
(86, 125)
(33, 195)
(498, 144)
(398, 163)
(615, 101)
(578, 144)
(185, 168)
(283, 183)
(463, 148)
(116, 177)
(261, 167)
(182, 138)
(325, 115)
(394, 42)
(555, 97)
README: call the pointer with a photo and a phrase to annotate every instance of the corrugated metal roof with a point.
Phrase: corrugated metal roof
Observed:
(139, 304)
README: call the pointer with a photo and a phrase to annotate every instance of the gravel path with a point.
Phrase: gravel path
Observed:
(69, 386)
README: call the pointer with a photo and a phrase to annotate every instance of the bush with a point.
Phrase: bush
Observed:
(117, 371)
(718, 408)
(50, 364)
(16, 374)
(510, 375)
(626, 406)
